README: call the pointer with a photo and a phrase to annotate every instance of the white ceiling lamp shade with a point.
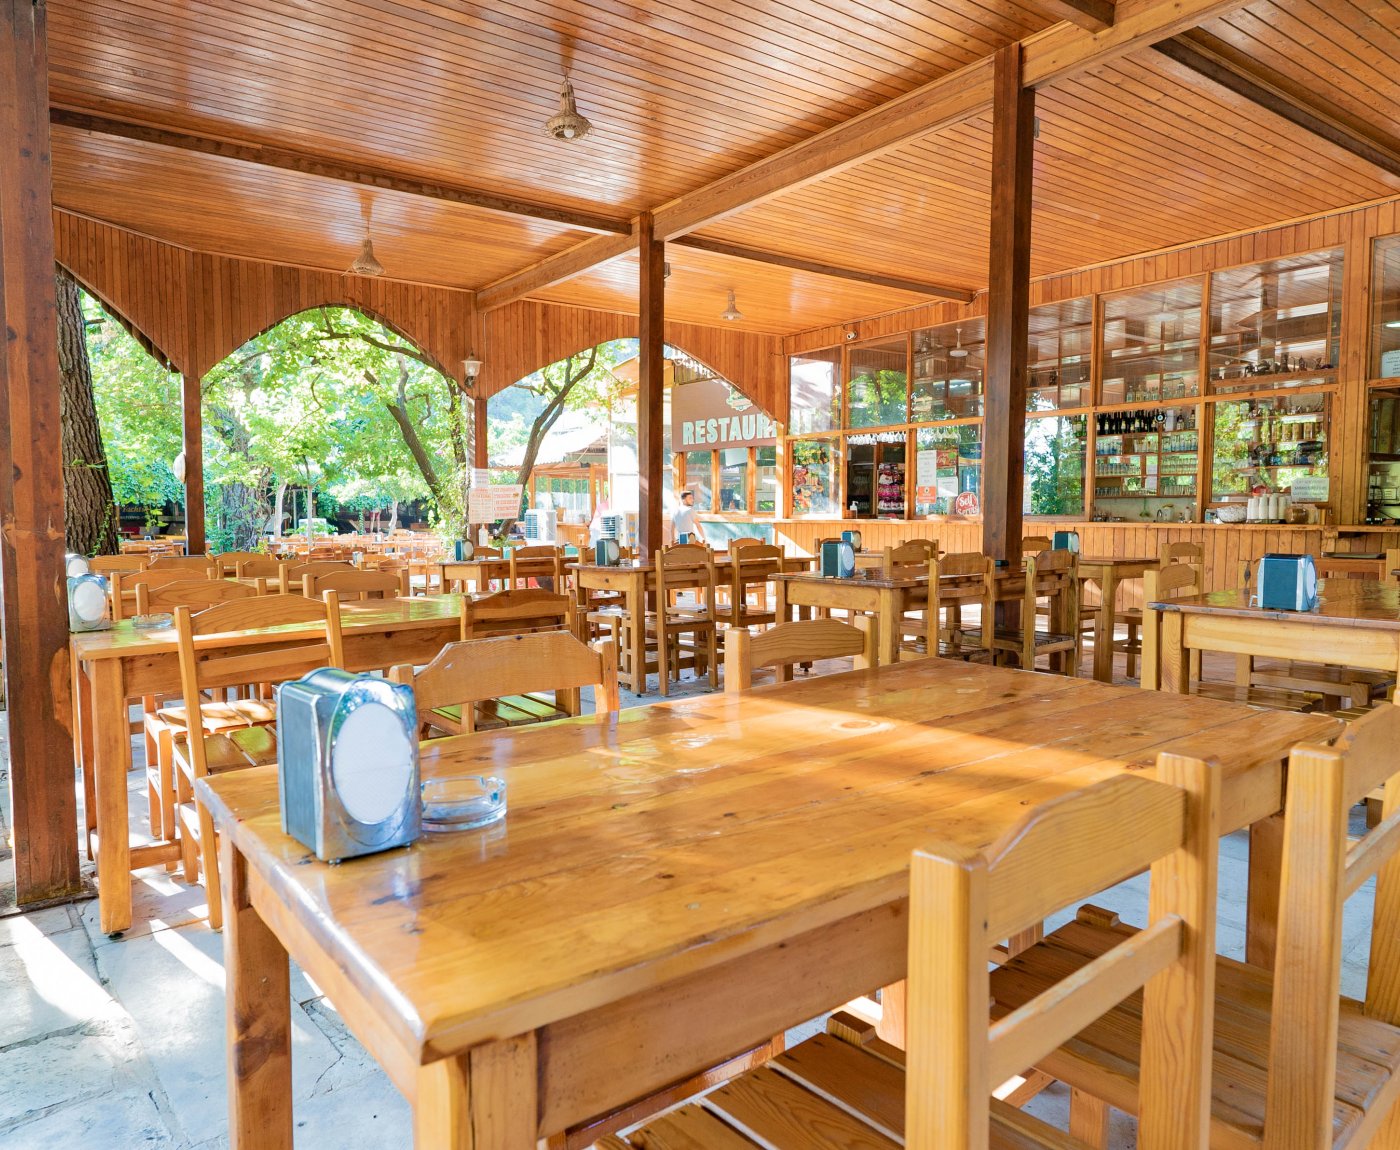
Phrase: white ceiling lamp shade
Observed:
(959, 352)
(177, 467)
(568, 124)
(732, 312)
(471, 368)
(365, 263)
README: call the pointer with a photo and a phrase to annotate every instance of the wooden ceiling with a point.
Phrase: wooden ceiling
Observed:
(1133, 155)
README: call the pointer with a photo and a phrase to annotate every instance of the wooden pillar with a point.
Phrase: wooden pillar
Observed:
(651, 383)
(33, 606)
(191, 397)
(480, 454)
(1008, 307)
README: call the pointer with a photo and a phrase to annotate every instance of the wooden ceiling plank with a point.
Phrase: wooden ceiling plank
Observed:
(1212, 59)
(310, 165)
(797, 263)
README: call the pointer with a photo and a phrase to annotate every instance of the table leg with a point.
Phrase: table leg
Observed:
(780, 601)
(637, 610)
(1151, 649)
(1103, 628)
(890, 1028)
(484, 1099)
(82, 747)
(1174, 662)
(887, 616)
(111, 760)
(259, 1019)
(1265, 868)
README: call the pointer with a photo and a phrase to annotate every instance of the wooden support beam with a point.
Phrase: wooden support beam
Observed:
(1213, 59)
(651, 384)
(740, 252)
(480, 445)
(33, 610)
(308, 164)
(1008, 309)
(1095, 15)
(1049, 56)
(192, 411)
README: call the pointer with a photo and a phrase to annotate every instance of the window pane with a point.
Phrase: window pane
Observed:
(1055, 465)
(1060, 353)
(877, 392)
(949, 464)
(1385, 322)
(765, 491)
(697, 478)
(734, 479)
(813, 399)
(1268, 442)
(1145, 463)
(948, 365)
(1152, 343)
(814, 471)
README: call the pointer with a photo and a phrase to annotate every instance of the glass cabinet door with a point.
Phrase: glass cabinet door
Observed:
(1060, 355)
(1385, 315)
(877, 384)
(1152, 344)
(814, 396)
(1276, 324)
(1383, 473)
(815, 471)
(1145, 463)
(947, 464)
(1269, 443)
(948, 372)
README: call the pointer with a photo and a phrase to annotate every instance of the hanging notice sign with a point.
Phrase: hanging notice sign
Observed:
(489, 503)
(710, 414)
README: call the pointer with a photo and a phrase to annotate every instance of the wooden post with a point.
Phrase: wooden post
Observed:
(650, 383)
(480, 455)
(1008, 307)
(191, 398)
(33, 605)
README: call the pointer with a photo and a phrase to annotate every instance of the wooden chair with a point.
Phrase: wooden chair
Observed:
(847, 1088)
(1035, 544)
(187, 563)
(746, 541)
(1051, 579)
(516, 612)
(751, 571)
(952, 579)
(357, 585)
(910, 558)
(198, 753)
(451, 689)
(786, 644)
(113, 565)
(685, 566)
(1296, 1064)
(293, 574)
(263, 567)
(227, 561)
(124, 588)
(537, 552)
(1131, 645)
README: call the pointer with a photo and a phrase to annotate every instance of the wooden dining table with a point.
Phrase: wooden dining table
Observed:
(1108, 573)
(111, 668)
(1356, 623)
(670, 886)
(479, 574)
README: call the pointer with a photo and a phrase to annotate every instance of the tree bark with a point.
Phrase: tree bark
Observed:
(243, 507)
(90, 518)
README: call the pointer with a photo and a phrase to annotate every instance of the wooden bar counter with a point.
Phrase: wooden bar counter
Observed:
(670, 887)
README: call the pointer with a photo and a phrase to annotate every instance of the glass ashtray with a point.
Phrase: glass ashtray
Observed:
(153, 622)
(463, 802)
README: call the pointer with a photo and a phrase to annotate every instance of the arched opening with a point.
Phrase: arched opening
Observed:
(576, 456)
(330, 421)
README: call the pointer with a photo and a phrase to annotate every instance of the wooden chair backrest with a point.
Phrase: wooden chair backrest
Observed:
(124, 587)
(110, 565)
(228, 561)
(195, 594)
(964, 901)
(1172, 581)
(754, 563)
(967, 567)
(1183, 552)
(516, 612)
(474, 670)
(260, 567)
(293, 573)
(1321, 870)
(1032, 544)
(802, 642)
(254, 662)
(187, 563)
(1051, 575)
(1390, 570)
(355, 584)
(746, 541)
(536, 552)
(684, 566)
(910, 553)
(483, 553)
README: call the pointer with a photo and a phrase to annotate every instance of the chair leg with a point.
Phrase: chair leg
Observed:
(1088, 1119)
(209, 862)
(1132, 648)
(189, 855)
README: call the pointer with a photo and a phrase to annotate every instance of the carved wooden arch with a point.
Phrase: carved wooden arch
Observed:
(128, 325)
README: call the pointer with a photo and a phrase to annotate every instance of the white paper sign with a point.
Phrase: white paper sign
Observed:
(1310, 489)
(487, 504)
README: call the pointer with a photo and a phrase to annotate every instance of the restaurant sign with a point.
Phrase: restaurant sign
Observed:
(709, 414)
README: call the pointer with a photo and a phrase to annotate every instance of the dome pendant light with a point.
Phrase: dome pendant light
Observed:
(732, 312)
(568, 124)
(365, 264)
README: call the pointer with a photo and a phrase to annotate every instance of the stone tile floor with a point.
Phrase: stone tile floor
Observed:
(115, 1043)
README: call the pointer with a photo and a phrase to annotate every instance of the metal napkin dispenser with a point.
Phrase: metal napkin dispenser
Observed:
(1065, 541)
(347, 763)
(607, 553)
(88, 606)
(851, 537)
(838, 559)
(1287, 583)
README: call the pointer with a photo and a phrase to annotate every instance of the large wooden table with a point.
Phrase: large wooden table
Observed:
(671, 886)
(1356, 623)
(631, 580)
(110, 668)
(478, 574)
(1108, 574)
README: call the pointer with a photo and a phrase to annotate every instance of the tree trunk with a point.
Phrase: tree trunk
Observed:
(243, 507)
(90, 519)
(278, 510)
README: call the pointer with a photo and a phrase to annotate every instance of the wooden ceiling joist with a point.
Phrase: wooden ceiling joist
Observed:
(1095, 15)
(554, 270)
(1217, 62)
(899, 283)
(1055, 54)
(311, 165)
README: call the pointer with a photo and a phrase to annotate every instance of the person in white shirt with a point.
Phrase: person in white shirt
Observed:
(684, 524)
